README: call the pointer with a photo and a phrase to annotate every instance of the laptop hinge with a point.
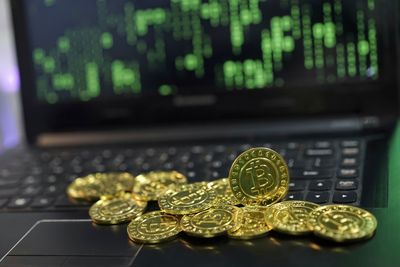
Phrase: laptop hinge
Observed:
(214, 131)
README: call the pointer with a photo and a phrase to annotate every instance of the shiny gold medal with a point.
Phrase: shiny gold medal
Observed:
(259, 176)
(342, 223)
(154, 227)
(94, 186)
(187, 199)
(150, 186)
(254, 224)
(291, 217)
(116, 210)
(224, 192)
(212, 222)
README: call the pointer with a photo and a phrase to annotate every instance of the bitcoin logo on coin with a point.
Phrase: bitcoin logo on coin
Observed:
(259, 176)
(342, 223)
(291, 217)
(212, 222)
(154, 227)
(116, 210)
(187, 199)
(253, 225)
(224, 192)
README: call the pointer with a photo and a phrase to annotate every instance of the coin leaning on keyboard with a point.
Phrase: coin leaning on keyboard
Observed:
(257, 182)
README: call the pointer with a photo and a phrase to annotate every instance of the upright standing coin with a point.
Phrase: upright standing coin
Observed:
(291, 217)
(187, 199)
(254, 224)
(212, 222)
(224, 192)
(342, 223)
(116, 210)
(259, 176)
(154, 227)
(150, 186)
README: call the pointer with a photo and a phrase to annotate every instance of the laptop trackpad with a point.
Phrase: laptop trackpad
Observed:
(73, 243)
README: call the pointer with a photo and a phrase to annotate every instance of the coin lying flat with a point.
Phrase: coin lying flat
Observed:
(154, 227)
(254, 224)
(291, 217)
(150, 186)
(94, 186)
(224, 192)
(117, 210)
(212, 222)
(187, 199)
(259, 176)
(342, 223)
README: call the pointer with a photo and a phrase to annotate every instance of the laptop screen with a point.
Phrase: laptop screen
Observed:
(107, 50)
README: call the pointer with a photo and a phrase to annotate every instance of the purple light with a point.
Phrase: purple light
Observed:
(9, 79)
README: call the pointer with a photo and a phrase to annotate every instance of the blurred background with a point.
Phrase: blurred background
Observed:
(10, 129)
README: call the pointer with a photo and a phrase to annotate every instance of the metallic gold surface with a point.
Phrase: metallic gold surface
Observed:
(210, 223)
(259, 176)
(224, 192)
(290, 217)
(154, 227)
(117, 210)
(150, 186)
(187, 199)
(254, 224)
(341, 223)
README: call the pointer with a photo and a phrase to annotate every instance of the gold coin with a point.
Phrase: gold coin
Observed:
(116, 210)
(150, 186)
(154, 227)
(187, 199)
(291, 217)
(213, 222)
(94, 186)
(259, 176)
(254, 224)
(342, 223)
(224, 192)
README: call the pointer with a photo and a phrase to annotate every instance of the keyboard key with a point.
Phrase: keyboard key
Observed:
(350, 151)
(346, 185)
(31, 190)
(31, 180)
(349, 162)
(295, 196)
(18, 203)
(319, 198)
(345, 197)
(347, 173)
(324, 163)
(319, 152)
(320, 185)
(350, 143)
(322, 144)
(297, 185)
(316, 174)
(8, 192)
(42, 202)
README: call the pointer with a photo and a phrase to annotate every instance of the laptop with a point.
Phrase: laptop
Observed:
(135, 86)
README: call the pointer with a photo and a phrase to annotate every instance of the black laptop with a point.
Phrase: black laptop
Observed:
(187, 85)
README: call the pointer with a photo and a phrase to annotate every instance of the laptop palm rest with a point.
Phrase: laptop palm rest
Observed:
(73, 243)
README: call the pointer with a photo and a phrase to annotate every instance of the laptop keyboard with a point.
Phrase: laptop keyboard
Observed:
(324, 172)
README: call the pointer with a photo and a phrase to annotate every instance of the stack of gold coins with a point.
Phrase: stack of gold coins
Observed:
(248, 204)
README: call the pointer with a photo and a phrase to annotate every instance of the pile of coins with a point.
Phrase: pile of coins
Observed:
(248, 204)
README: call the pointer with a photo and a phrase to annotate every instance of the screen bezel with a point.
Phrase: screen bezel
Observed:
(369, 98)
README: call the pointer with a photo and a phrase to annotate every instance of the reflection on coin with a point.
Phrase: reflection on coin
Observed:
(224, 192)
(254, 223)
(342, 223)
(213, 222)
(150, 186)
(187, 199)
(259, 176)
(116, 210)
(154, 227)
(291, 217)
(94, 186)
